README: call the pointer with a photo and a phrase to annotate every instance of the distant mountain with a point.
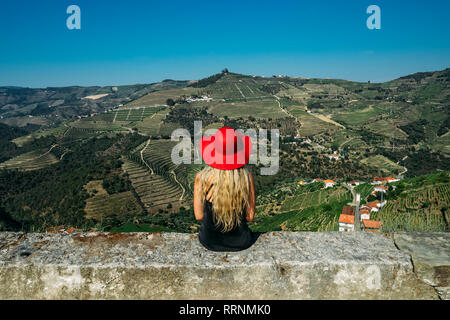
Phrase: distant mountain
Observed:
(10, 87)
(19, 105)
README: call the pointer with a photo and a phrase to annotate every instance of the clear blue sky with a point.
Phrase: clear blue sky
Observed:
(144, 41)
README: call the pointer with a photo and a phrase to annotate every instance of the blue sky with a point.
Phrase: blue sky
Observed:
(127, 42)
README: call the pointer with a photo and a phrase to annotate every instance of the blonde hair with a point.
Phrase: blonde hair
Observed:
(229, 195)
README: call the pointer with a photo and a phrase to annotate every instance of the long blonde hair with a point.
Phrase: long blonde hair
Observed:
(230, 194)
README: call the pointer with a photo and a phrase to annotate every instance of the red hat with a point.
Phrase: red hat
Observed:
(226, 149)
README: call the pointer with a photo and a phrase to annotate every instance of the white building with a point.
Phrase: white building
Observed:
(329, 183)
(346, 222)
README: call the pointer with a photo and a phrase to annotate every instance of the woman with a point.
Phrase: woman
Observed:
(224, 192)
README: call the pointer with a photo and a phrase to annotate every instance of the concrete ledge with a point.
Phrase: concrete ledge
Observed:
(430, 254)
(281, 265)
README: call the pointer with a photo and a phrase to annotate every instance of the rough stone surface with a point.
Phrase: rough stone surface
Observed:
(430, 254)
(281, 265)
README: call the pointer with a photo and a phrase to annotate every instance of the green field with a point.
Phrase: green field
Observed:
(358, 117)
(58, 131)
(159, 98)
(97, 125)
(152, 125)
(382, 164)
(310, 125)
(308, 199)
(443, 143)
(232, 87)
(322, 217)
(301, 208)
(418, 204)
(135, 114)
(266, 108)
(387, 128)
(33, 160)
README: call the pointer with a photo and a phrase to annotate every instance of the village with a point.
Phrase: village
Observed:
(356, 216)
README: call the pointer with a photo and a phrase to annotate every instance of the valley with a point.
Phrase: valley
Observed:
(100, 157)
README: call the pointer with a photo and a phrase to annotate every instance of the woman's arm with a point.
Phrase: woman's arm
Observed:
(250, 214)
(198, 204)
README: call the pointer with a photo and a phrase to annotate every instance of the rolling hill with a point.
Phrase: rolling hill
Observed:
(330, 129)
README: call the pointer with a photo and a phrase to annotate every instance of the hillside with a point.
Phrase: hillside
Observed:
(120, 136)
(20, 106)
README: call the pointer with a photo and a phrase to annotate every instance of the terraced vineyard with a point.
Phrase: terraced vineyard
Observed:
(155, 191)
(302, 208)
(135, 114)
(424, 210)
(321, 218)
(105, 116)
(96, 125)
(229, 87)
(158, 156)
(152, 126)
(364, 189)
(159, 183)
(159, 98)
(114, 205)
(308, 199)
(261, 108)
(30, 161)
(74, 133)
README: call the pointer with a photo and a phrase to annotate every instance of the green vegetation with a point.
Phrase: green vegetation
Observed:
(308, 209)
(99, 157)
(382, 164)
(32, 160)
(310, 125)
(364, 189)
(154, 191)
(55, 195)
(417, 204)
(134, 114)
(290, 206)
(357, 116)
(267, 108)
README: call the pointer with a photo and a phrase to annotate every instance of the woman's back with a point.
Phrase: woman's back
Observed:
(213, 238)
(224, 202)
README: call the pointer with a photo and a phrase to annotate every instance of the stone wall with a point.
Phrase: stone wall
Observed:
(281, 265)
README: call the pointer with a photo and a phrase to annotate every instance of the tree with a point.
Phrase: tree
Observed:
(170, 102)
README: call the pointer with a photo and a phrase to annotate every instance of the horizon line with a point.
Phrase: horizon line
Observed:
(187, 80)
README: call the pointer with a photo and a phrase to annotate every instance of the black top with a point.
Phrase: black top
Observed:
(212, 238)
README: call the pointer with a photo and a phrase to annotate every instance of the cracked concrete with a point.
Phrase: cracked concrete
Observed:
(280, 265)
(430, 256)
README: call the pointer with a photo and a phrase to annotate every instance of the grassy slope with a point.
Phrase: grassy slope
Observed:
(418, 204)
